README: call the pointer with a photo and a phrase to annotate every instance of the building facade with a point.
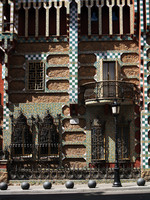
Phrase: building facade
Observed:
(63, 63)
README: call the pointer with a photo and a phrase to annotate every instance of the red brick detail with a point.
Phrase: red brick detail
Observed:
(137, 162)
(3, 166)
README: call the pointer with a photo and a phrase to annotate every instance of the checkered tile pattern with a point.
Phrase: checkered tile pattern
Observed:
(35, 56)
(105, 38)
(5, 42)
(3, 71)
(145, 162)
(6, 58)
(73, 55)
(147, 12)
(11, 16)
(144, 144)
(136, 10)
(51, 39)
(5, 109)
(109, 55)
(141, 15)
(144, 122)
(145, 127)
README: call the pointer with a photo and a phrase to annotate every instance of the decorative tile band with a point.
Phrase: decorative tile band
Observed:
(5, 108)
(73, 54)
(141, 15)
(110, 55)
(145, 114)
(147, 13)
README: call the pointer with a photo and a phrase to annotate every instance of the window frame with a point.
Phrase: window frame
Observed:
(117, 75)
(28, 76)
(99, 125)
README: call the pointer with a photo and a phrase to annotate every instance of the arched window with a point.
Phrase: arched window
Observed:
(63, 21)
(31, 21)
(126, 19)
(21, 23)
(94, 20)
(42, 21)
(115, 19)
(21, 136)
(105, 20)
(48, 137)
(84, 20)
(52, 21)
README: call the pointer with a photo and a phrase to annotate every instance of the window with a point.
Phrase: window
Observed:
(31, 21)
(21, 22)
(36, 76)
(123, 140)
(98, 140)
(42, 21)
(110, 77)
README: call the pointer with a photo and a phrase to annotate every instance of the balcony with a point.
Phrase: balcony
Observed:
(106, 91)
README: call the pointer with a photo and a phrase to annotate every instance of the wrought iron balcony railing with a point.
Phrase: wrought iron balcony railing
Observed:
(109, 90)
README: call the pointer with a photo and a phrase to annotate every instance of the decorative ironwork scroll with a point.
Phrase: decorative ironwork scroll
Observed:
(48, 136)
(98, 141)
(21, 136)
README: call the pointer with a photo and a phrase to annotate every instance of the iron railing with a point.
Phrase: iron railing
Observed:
(43, 170)
(110, 90)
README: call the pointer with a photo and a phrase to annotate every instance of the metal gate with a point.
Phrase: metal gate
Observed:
(36, 146)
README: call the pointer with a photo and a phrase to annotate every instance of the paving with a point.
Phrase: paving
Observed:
(78, 188)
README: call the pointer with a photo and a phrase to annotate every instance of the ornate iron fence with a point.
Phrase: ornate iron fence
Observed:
(42, 170)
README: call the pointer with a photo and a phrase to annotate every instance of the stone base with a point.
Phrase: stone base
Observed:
(145, 174)
(3, 177)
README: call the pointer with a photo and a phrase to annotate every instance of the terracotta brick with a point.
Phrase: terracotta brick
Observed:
(58, 85)
(105, 46)
(17, 60)
(38, 98)
(77, 150)
(90, 58)
(131, 80)
(83, 81)
(87, 71)
(58, 72)
(58, 59)
(128, 71)
(74, 163)
(74, 136)
(16, 73)
(16, 85)
(130, 58)
(45, 47)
